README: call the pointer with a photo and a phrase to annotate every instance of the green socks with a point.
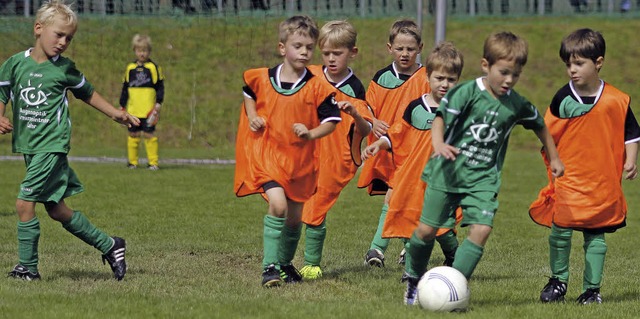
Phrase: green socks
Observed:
(559, 252)
(314, 243)
(82, 228)
(28, 236)
(271, 239)
(467, 257)
(288, 244)
(448, 242)
(418, 255)
(378, 242)
(595, 250)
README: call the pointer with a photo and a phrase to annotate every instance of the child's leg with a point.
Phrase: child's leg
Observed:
(314, 243)
(470, 251)
(419, 250)
(28, 235)
(375, 254)
(151, 145)
(449, 244)
(595, 249)
(559, 252)
(290, 233)
(273, 224)
(78, 224)
(133, 140)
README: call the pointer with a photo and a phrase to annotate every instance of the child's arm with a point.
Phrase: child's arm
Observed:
(630, 162)
(374, 148)
(362, 126)
(5, 124)
(118, 115)
(322, 130)
(555, 164)
(440, 148)
(380, 128)
(255, 122)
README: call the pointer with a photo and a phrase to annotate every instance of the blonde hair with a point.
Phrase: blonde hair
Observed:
(141, 41)
(302, 25)
(338, 34)
(53, 9)
(405, 26)
(505, 46)
(445, 57)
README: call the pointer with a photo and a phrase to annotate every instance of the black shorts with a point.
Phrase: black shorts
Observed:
(142, 127)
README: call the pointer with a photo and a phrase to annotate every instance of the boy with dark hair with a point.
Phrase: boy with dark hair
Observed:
(589, 197)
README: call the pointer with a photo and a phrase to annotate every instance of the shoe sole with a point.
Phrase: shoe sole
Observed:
(272, 283)
(374, 262)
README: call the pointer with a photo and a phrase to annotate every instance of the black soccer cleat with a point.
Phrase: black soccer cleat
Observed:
(290, 274)
(591, 295)
(115, 258)
(374, 258)
(271, 277)
(21, 272)
(553, 291)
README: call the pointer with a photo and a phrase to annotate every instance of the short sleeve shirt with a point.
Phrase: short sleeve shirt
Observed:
(38, 94)
(479, 125)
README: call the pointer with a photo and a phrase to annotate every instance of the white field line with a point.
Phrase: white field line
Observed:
(88, 159)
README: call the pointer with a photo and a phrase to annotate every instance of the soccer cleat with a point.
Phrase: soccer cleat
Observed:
(310, 272)
(21, 272)
(591, 295)
(290, 274)
(553, 291)
(154, 167)
(411, 294)
(131, 166)
(374, 257)
(271, 277)
(449, 257)
(115, 258)
(403, 257)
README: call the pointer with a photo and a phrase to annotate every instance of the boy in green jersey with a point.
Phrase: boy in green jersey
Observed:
(469, 136)
(36, 82)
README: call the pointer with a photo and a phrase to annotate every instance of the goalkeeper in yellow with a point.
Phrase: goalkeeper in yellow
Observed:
(142, 96)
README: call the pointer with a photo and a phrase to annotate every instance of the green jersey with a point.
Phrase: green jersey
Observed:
(479, 126)
(38, 94)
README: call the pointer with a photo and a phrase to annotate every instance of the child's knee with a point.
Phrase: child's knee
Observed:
(426, 232)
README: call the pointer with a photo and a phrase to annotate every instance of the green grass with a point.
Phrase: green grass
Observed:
(204, 57)
(194, 251)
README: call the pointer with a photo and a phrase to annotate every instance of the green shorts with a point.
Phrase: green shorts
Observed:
(439, 208)
(49, 178)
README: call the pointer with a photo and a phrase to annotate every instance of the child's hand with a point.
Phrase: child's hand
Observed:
(632, 170)
(123, 117)
(557, 168)
(445, 150)
(348, 108)
(257, 123)
(380, 128)
(5, 125)
(301, 131)
(370, 151)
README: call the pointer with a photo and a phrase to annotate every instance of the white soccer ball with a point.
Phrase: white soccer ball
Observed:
(443, 289)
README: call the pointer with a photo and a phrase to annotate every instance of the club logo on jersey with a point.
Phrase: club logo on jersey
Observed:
(33, 96)
(484, 132)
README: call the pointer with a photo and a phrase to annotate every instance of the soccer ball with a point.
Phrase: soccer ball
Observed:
(443, 289)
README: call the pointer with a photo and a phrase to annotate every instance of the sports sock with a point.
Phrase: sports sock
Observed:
(314, 243)
(467, 257)
(448, 242)
(271, 239)
(378, 242)
(418, 255)
(82, 228)
(289, 243)
(28, 236)
(559, 252)
(595, 249)
(151, 145)
(132, 149)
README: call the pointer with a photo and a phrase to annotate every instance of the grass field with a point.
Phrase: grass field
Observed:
(194, 251)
